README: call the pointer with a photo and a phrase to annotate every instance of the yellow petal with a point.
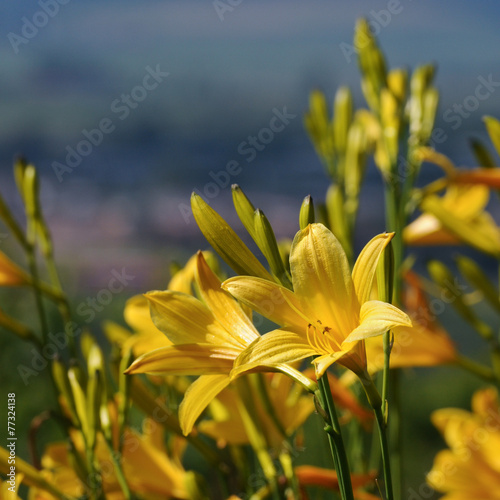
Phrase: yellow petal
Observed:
(377, 318)
(149, 469)
(278, 346)
(462, 205)
(197, 398)
(322, 363)
(187, 359)
(273, 301)
(294, 416)
(186, 320)
(463, 479)
(466, 201)
(224, 432)
(183, 279)
(322, 278)
(485, 402)
(32, 477)
(427, 230)
(115, 333)
(225, 309)
(417, 346)
(137, 314)
(484, 236)
(225, 241)
(140, 343)
(366, 265)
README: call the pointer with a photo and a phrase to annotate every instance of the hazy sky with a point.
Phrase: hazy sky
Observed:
(67, 65)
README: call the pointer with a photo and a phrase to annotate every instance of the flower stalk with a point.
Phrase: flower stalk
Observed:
(334, 433)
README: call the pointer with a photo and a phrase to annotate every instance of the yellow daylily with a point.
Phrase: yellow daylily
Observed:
(289, 404)
(146, 336)
(328, 314)
(183, 279)
(149, 470)
(32, 477)
(458, 216)
(207, 337)
(470, 468)
(465, 201)
(9, 489)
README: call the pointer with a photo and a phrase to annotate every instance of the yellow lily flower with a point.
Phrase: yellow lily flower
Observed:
(183, 279)
(9, 489)
(328, 314)
(34, 478)
(470, 468)
(458, 216)
(148, 468)
(290, 405)
(207, 337)
(146, 336)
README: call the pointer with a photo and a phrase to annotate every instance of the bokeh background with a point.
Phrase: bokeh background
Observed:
(124, 205)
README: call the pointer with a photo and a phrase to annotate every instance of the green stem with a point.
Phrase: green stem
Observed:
(396, 220)
(120, 476)
(385, 375)
(48, 253)
(332, 428)
(38, 296)
(63, 302)
(287, 464)
(386, 460)
(477, 369)
(256, 435)
(376, 404)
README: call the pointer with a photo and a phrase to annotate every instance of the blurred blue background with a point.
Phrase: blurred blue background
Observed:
(66, 67)
(71, 67)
